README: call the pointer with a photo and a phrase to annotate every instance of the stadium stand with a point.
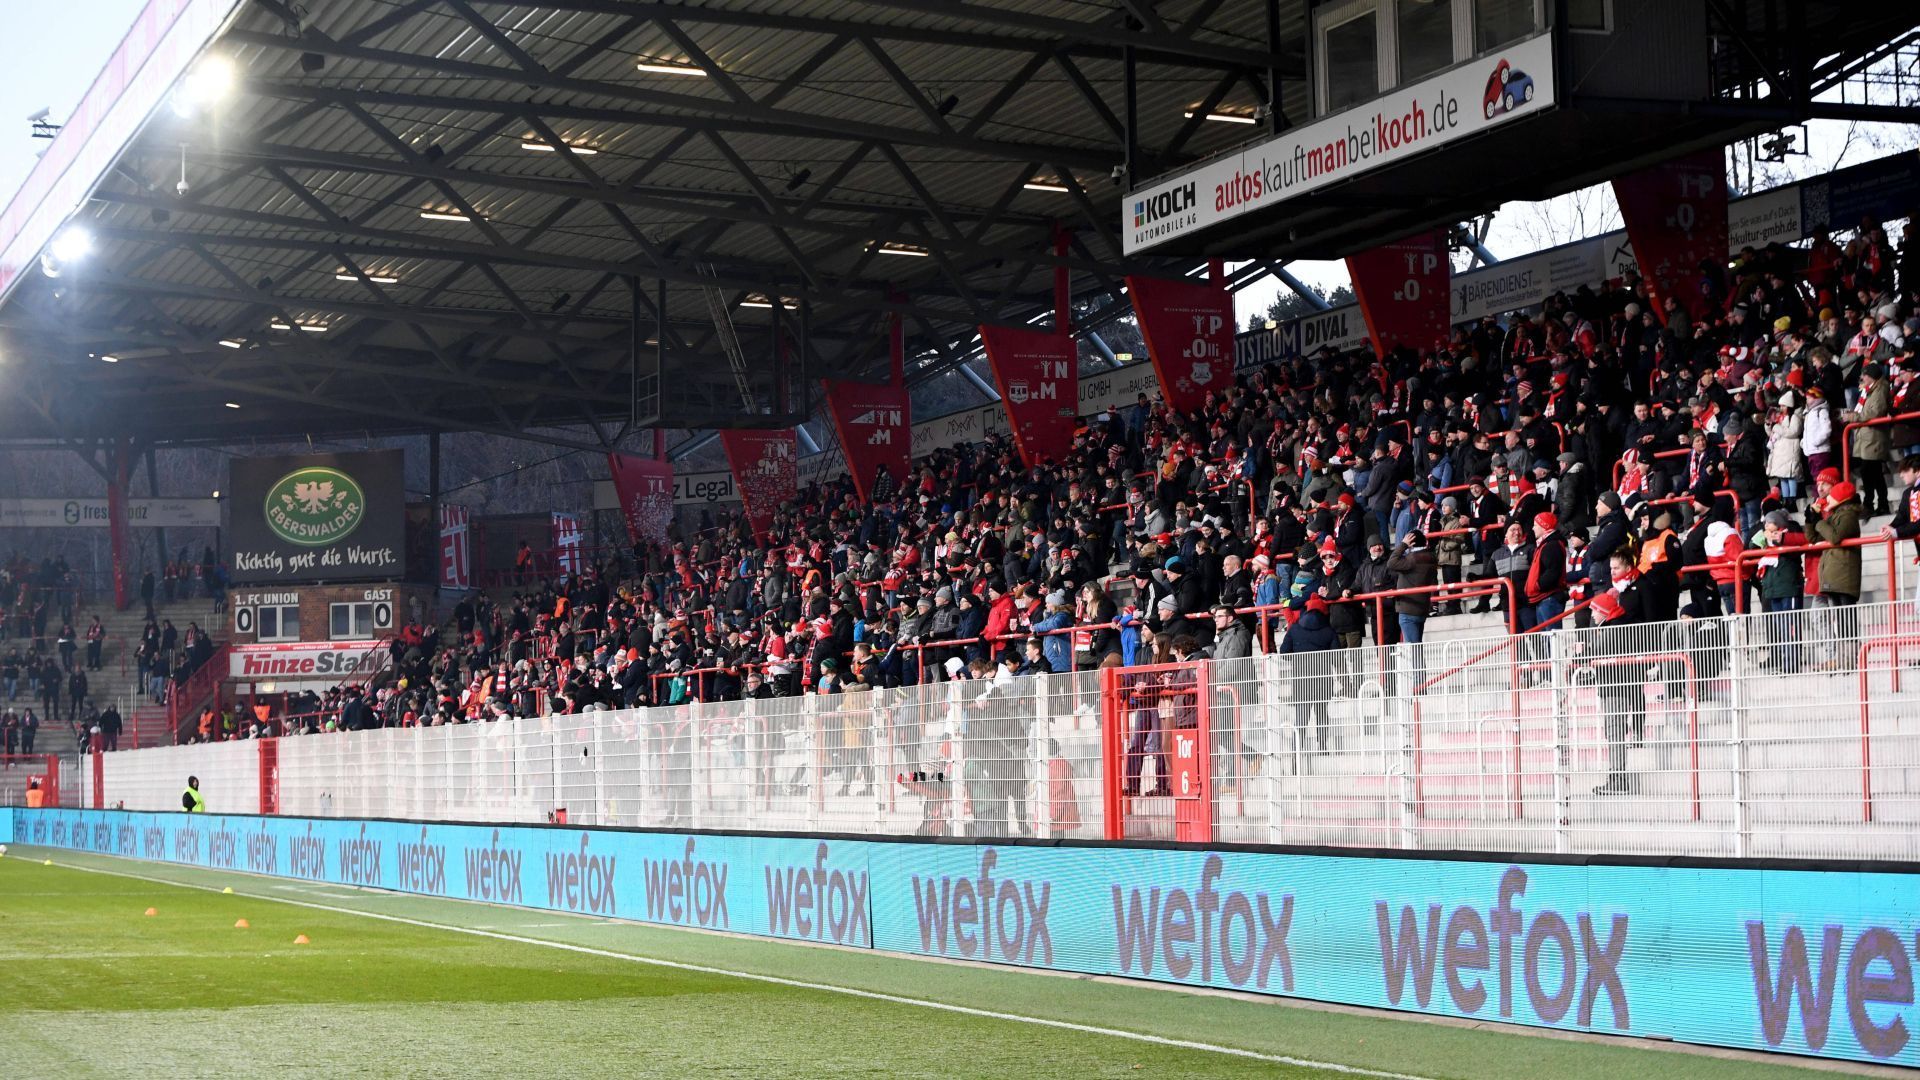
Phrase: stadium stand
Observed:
(1498, 471)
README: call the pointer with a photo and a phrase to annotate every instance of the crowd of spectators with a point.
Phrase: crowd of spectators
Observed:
(1611, 440)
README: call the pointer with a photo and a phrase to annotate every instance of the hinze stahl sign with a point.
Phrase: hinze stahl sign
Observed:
(318, 517)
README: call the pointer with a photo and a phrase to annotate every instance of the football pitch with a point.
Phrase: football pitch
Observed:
(395, 985)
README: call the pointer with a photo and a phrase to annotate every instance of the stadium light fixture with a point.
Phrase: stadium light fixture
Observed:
(891, 248)
(72, 244)
(668, 67)
(233, 404)
(110, 359)
(1225, 118)
(209, 83)
(549, 148)
(232, 343)
(1053, 186)
(443, 215)
(377, 279)
(758, 301)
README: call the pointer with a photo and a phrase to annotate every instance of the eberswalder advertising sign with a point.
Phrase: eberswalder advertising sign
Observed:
(318, 517)
(1461, 101)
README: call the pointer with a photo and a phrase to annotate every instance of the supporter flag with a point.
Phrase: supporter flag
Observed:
(875, 428)
(1189, 330)
(1405, 291)
(1676, 215)
(645, 489)
(765, 469)
(875, 423)
(456, 551)
(1038, 386)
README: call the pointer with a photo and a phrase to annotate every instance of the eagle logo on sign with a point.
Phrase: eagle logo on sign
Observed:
(1017, 393)
(1203, 372)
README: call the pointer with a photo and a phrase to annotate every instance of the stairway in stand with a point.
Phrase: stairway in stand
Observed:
(115, 681)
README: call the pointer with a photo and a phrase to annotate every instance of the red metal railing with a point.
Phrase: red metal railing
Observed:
(1845, 446)
(1867, 648)
(183, 697)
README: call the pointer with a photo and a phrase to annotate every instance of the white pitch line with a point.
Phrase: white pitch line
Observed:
(799, 984)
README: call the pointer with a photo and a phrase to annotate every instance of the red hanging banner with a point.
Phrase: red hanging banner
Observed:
(1189, 331)
(875, 423)
(456, 554)
(875, 427)
(645, 489)
(1676, 216)
(1038, 386)
(765, 468)
(1405, 291)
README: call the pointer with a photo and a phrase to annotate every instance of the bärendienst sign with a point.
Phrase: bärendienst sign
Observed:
(1464, 100)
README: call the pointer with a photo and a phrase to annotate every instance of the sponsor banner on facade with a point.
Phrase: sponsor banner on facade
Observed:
(1465, 100)
(765, 469)
(93, 513)
(643, 488)
(874, 426)
(1402, 289)
(1039, 386)
(1339, 329)
(302, 661)
(1676, 213)
(1816, 962)
(1879, 190)
(456, 546)
(317, 517)
(1188, 327)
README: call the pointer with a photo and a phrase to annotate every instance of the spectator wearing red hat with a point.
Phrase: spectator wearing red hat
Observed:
(1546, 579)
(1817, 432)
(1314, 650)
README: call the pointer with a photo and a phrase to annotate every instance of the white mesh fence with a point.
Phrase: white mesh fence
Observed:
(1794, 733)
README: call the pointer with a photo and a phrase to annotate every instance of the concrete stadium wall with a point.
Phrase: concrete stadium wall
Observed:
(1796, 959)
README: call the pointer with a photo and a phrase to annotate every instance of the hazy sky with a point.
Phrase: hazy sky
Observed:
(55, 48)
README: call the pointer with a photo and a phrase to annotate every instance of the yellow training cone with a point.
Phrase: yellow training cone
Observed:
(240, 925)
(49, 862)
(301, 940)
(153, 911)
(228, 890)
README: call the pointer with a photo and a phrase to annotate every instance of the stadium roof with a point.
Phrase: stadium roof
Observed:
(771, 149)
(408, 215)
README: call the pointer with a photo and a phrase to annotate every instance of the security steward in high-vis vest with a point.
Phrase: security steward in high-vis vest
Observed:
(191, 801)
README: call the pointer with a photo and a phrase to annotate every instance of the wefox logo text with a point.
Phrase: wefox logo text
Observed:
(686, 891)
(1553, 967)
(493, 872)
(991, 920)
(814, 902)
(1242, 933)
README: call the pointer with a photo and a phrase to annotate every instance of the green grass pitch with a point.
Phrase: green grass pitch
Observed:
(95, 987)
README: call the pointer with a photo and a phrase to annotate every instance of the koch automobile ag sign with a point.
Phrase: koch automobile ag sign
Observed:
(1463, 100)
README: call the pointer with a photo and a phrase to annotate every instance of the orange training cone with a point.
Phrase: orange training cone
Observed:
(153, 911)
(240, 925)
(301, 940)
